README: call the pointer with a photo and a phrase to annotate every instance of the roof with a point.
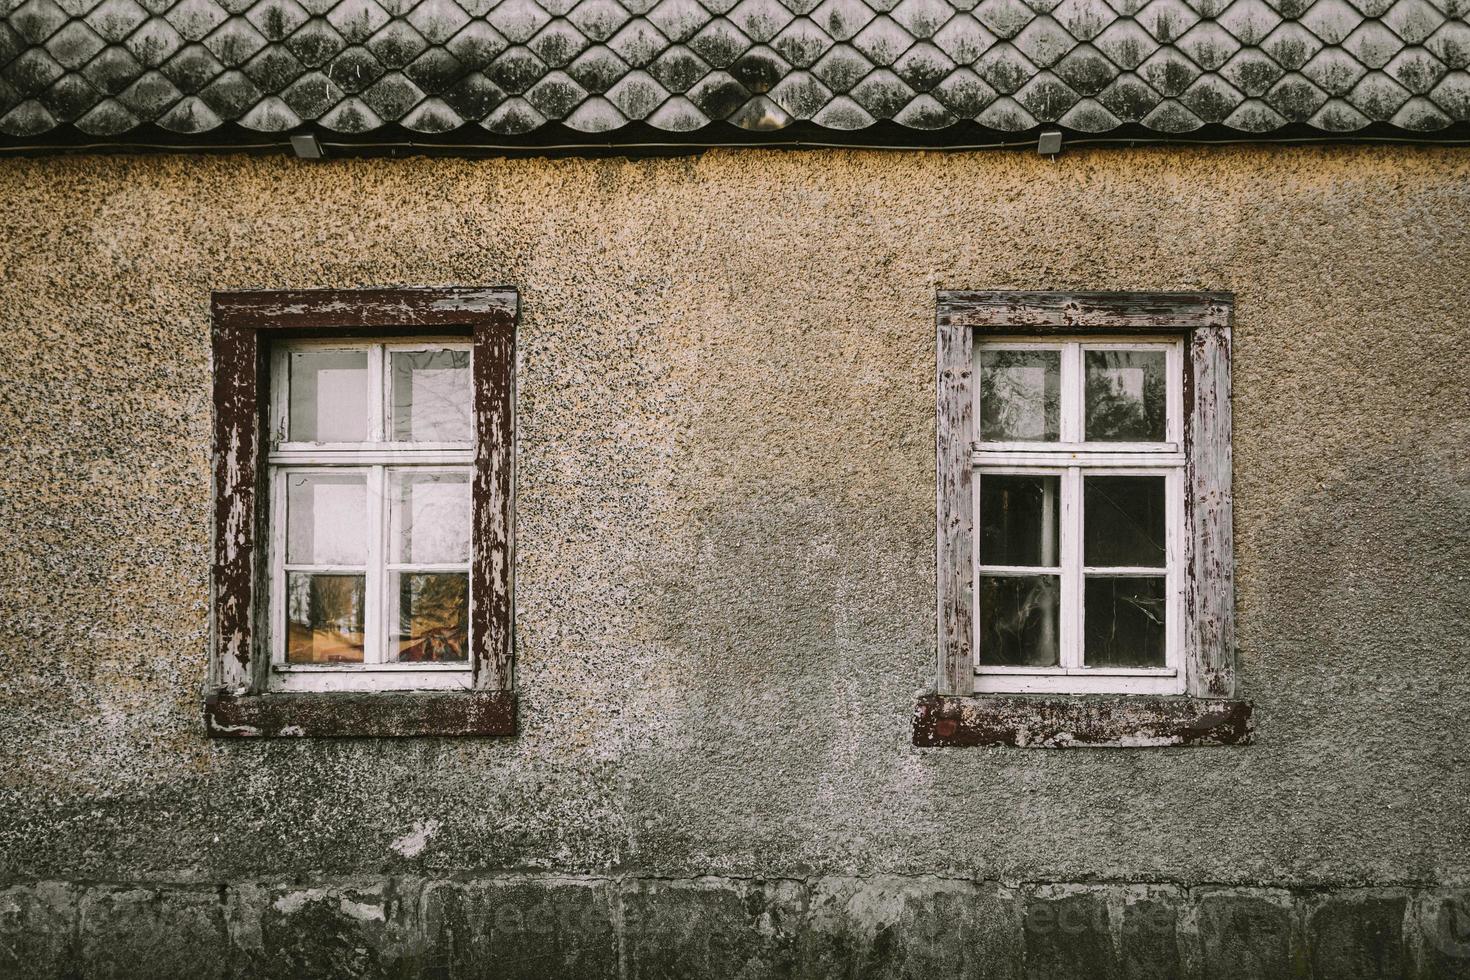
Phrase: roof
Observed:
(110, 70)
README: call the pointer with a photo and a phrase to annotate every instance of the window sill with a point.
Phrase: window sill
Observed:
(344, 714)
(1085, 721)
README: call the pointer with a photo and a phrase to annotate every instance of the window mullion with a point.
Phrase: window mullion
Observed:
(1071, 557)
(376, 586)
(1072, 393)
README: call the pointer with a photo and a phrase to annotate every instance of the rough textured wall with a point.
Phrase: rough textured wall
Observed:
(726, 518)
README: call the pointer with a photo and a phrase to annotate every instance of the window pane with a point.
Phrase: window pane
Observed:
(329, 396)
(433, 617)
(1019, 519)
(1126, 395)
(1018, 620)
(1125, 622)
(1020, 395)
(431, 396)
(326, 519)
(324, 618)
(1123, 521)
(430, 517)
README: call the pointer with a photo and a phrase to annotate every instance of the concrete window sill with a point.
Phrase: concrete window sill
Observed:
(1086, 721)
(392, 714)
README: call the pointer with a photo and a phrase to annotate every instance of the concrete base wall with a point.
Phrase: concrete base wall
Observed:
(543, 927)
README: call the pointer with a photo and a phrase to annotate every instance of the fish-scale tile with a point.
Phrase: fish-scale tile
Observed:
(474, 96)
(1372, 8)
(1004, 18)
(964, 39)
(1043, 42)
(598, 68)
(1171, 116)
(842, 68)
(598, 19)
(1208, 45)
(1452, 94)
(351, 115)
(270, 115)
(843, 114)
(150, 95)
(1290, 9)
(231, 94)
(33, 72)
(637, 95)
(964, 93)
(518, 20)
(718, 94)
(432, 116)
(357, 20)
(277, 19)
(438, 20)
(1125, 44)
(113, 70)
(11, 43)
(1420, 115)
(434, 71)
(1338, 116)
(154, 43)
(1006, 115)
(1127, 8)
(392, 95)
(1047, 97)
(1005, 68)
(759, 69)
(1090, 116)
(1129, 98)
(195, 18)
(842, 19)
(107, 118)
(516, 70)
(1296, 97)
(1210, 9)
(1416, 70)
(720, 43)
(70, 97)
(312, 94)
(1252, 72)
(1249, 21)
(923, 66)
(1373, 44)
(678, 115)
(355, 69)
(1378, 96)
(559, 44)
(639, 43)
(235, 42)
(189, 115)
(1086, 70)
(36, 20)
(1413, 20)
(192, 68)
(74, 45)
(883, 40)
(114, 20)
(397, 44)
(1255, 116)
(761, 115)
(925, 112)
(1166, 20)
(316, 44)
(677, 69)
(1451, 43)
(27, 119)
(802, 42)
(1335, 71)
(596, 115)
(1212, 98)
(1331, 20)
(801, 94)
(1291, 45)
(555, 95)
(274, 69)
(1083, 19)
(882, 94)
(922, 18)
(679, 20)
(477, 45)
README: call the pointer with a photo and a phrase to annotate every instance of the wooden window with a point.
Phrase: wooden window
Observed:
(363, 464)
(1084, 516)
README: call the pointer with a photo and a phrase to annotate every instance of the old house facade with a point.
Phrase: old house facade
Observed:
(663, 488)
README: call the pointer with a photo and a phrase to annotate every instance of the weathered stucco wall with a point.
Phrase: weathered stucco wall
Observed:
(726, 521)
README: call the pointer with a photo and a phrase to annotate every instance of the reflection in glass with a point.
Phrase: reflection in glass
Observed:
(433, 617)
(430, 517)
(1124, 621)
(1018, 620)
(431, 396)
(1020, 395)
(1123, 521)
(1126, 395)
(326, 518)
(1019, 519)
(324, 618)
(329, 396)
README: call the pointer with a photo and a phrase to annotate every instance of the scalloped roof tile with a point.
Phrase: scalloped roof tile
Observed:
(108, 68)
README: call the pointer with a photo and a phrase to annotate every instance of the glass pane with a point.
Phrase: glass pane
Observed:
(1018, 620)
(324, 618)
(1125, 622)
(431, 396)
(1126, 395)
(330, 391)
(1019, 519)
(430, 519)
(1020, 395)
(433, 617)
(326, 518)
(1123, 521)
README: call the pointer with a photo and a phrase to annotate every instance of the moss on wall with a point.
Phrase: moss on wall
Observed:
(726, 585)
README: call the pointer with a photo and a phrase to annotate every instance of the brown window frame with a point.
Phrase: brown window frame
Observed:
(1208, 713)
(237, 700)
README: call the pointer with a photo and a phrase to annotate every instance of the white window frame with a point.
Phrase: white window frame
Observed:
(375, 457)
(1071, 458)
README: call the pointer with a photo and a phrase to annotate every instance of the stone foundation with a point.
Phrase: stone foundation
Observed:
(543, 926)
